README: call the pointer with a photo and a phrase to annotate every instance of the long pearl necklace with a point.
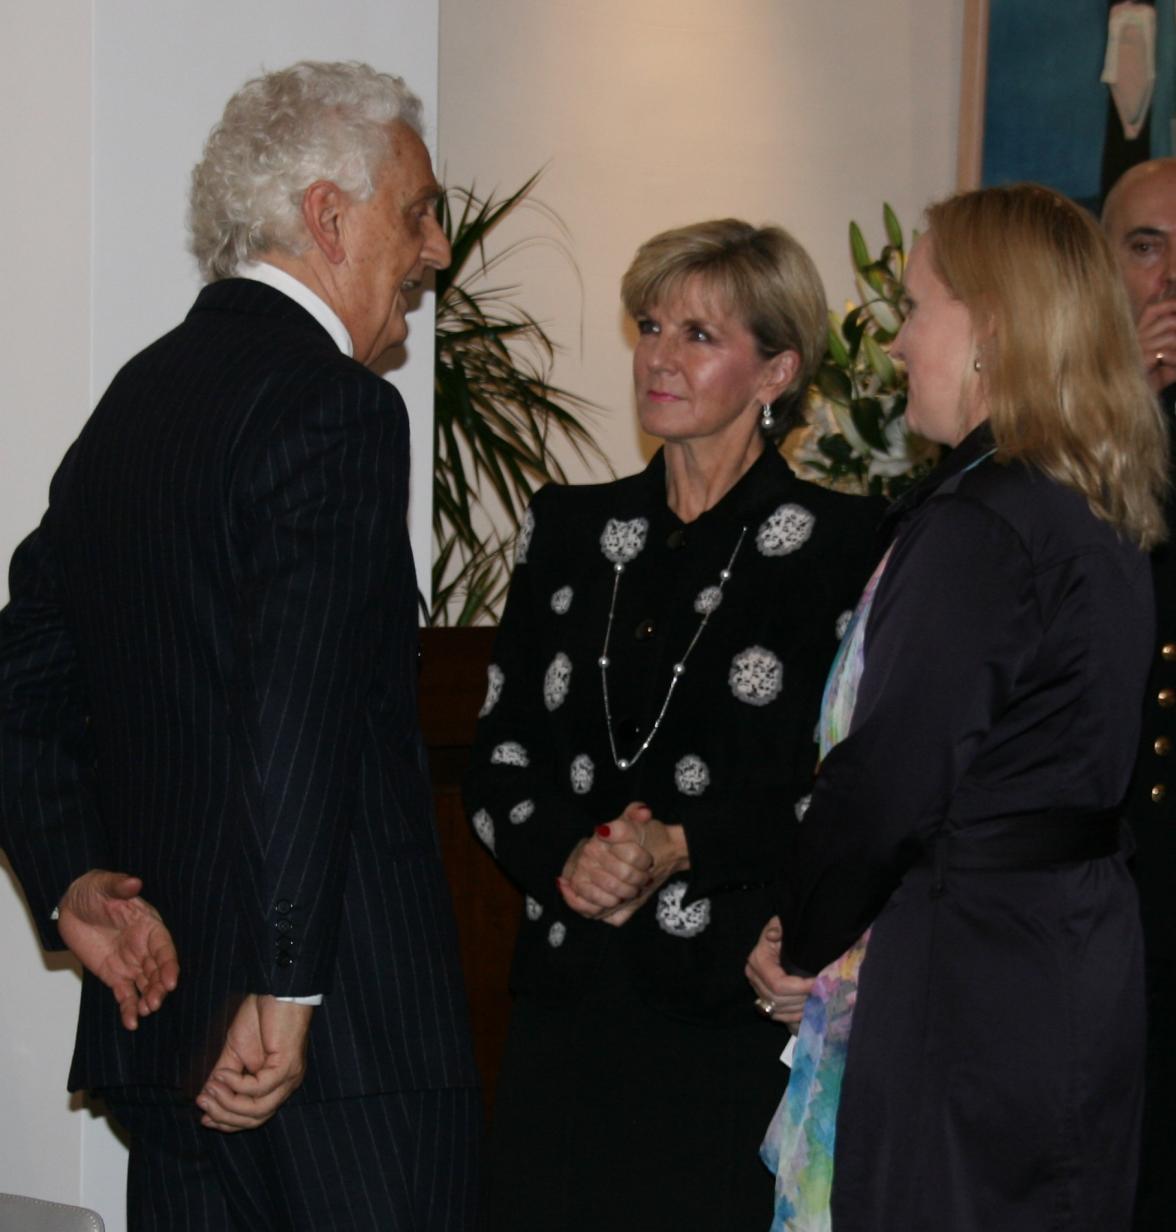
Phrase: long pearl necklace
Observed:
(625, 763)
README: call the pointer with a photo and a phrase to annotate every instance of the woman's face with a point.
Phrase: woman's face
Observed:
(939, 346)
(698, 372)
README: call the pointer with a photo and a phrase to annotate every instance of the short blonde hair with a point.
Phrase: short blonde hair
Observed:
(761, 273)
(1063, 380)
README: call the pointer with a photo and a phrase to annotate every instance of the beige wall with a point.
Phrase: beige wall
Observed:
(660, 113)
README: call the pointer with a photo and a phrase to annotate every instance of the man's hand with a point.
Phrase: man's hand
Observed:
(261, 1065)
(121, 939)
(1156, 329)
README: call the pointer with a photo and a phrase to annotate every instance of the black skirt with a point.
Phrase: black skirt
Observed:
(612, 1114)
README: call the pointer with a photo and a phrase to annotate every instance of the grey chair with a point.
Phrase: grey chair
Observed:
(19, 1214)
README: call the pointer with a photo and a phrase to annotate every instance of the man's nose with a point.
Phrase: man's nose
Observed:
(436, 253)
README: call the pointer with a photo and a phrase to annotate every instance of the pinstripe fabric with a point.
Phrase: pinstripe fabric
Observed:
(208, 678)
(396, 1162)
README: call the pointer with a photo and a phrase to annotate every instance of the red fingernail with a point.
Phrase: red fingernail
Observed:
(603, 831)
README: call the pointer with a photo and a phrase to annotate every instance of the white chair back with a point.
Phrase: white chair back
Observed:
(19, 1214)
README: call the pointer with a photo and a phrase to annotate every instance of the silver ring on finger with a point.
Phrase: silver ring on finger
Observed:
(765, 1007)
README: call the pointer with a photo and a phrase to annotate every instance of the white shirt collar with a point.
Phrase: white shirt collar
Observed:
(303, 296)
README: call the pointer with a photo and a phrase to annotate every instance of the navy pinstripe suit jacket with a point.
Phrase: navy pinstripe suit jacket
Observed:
(208, 675)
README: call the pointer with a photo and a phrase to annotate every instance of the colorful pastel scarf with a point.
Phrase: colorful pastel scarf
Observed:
(799, 1143)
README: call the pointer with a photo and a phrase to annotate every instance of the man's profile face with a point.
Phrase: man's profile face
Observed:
(1141, 226)
(393, 237)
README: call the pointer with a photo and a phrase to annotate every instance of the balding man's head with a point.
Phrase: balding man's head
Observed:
(1140, 221)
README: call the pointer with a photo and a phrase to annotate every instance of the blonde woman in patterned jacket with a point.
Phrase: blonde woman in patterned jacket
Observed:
(645, 747)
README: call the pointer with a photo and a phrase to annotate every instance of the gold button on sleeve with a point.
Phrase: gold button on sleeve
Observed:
(1162, 746)
(1166, 697)
(1168, 651)
(1158, 792)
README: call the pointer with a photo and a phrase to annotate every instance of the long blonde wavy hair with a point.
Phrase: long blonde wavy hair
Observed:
(1062, 376)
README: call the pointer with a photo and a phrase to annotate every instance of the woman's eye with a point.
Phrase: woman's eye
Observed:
(646, 326)
(699, 335)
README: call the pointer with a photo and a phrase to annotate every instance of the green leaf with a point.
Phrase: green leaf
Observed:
(857, 246)
(882, 364)
(834, 384)
(837, 449)
(868, 420)
(851, 330)
(893, 227)
(837, 348)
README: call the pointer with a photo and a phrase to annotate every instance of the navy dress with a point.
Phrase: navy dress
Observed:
(638, 1078)
(994, 1070)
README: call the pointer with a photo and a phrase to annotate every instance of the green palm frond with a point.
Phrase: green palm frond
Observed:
(496, 414)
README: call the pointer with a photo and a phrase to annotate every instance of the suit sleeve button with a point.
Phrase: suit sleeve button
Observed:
(283, 906)
(284, 960)
(1168, 651)
(1162, 746)
(1158, 792)
(1166, 697)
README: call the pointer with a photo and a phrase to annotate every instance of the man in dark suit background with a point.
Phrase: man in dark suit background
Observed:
(208, 679)
(1140, 221)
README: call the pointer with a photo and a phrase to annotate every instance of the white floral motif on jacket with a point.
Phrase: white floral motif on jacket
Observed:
(484, 827)
(523, 542)
(756, 676)
(677, 920)
(785, 530)
(494, 679)
(623, 541)
(534, 908)
(691, 775)
(561, 601)
(557, 681)
(708, 600)
(556, 934)
(522, 812)
(509, 753)
(583, 773)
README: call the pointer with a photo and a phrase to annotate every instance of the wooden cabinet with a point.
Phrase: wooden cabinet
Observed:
(453, 686)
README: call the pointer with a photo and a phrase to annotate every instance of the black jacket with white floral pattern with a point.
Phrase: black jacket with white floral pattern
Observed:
(733, 757)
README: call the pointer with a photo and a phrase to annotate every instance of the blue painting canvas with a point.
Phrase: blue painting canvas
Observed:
(1047, 116)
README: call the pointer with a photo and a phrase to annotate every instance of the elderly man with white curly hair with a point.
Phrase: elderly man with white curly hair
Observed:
(208, 679)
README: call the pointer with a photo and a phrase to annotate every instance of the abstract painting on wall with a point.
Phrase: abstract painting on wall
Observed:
(1068, 95)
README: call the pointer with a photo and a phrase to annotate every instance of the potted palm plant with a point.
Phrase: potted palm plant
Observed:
(496, 412)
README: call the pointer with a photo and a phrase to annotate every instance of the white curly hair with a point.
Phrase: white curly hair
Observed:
(279, 134)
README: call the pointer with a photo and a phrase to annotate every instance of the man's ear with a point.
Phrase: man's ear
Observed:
(323, 204)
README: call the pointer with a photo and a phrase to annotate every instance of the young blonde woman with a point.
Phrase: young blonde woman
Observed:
(970, 1058)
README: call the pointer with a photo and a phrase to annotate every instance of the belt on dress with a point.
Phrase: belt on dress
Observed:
(1024, 842)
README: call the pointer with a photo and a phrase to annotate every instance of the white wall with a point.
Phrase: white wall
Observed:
(106, 107)
(44, 393)
(665, 112)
